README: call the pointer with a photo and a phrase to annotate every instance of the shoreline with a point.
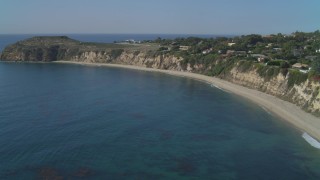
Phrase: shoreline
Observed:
(287, 111)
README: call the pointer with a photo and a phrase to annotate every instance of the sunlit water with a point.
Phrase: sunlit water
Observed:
(72, 121)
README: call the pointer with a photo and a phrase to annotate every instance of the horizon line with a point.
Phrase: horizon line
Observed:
(201, 34)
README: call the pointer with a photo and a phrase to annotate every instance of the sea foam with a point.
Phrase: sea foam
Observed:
(313, 142)
(212, 85)
(266, 110)
(215, 86)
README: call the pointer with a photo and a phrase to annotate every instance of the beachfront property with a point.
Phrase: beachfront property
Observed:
(235, 53)
(296, 52)
(304, 68)
(259, 57)
(300, 66)
(230, 52)
(132, 41)
(184, 48)
(311, 58)
(277, 49)
(207, 51)
(269, 45)
(231, 44)
(305, 71)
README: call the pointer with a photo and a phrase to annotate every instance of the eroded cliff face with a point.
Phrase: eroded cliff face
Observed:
(306, 94)
(128, 57)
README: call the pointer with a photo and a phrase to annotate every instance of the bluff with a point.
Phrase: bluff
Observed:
(53, 48)
(283, 83)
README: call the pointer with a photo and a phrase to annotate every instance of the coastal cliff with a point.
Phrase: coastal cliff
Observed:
(304, 93)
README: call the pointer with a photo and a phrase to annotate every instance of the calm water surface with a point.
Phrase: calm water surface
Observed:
(72, 122)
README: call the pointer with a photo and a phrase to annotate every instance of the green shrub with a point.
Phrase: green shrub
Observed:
(52, 53)
(296, 77)
(284, 64)
(116, 53)
(284, 71)
(209, 59)
(316, 66)
(267, 72)
(245, 66)
(217, 69)
(275, 63)
(163, 48)
(272, 72)
(61, 54)
(136, 53)
(222, 67)
(39, 54)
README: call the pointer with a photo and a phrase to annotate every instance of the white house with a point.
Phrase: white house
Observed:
(277, 49)
(184, 48)
(269, 45)
(260, 57)
(300, 66)
(207, 51)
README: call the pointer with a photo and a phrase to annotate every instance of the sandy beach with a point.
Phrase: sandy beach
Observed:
(287, 111)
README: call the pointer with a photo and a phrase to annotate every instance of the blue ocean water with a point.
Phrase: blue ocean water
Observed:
(73, 122)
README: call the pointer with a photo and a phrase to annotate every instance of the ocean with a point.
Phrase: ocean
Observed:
(74, 121)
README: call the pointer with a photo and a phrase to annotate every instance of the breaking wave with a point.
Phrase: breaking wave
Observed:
(313, 142)
(215, 86)
(212, 85)
(266, 110)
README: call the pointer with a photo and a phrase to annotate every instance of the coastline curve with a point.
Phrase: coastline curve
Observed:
(285, 110)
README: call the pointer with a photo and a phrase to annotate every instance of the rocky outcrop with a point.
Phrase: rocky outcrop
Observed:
(305, 94)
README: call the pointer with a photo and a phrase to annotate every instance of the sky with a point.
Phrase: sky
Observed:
(225, 17)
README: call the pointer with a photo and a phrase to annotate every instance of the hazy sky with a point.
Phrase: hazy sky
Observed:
(159, 16)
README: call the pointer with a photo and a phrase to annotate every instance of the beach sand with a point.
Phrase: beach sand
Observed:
(285, 110)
